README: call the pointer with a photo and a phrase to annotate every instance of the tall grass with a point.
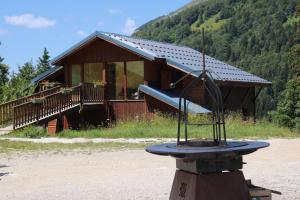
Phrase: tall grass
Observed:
(162, 126)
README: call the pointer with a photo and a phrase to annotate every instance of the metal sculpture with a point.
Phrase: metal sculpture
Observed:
(207, 168)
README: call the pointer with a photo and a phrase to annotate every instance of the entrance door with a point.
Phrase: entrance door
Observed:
(116, 80)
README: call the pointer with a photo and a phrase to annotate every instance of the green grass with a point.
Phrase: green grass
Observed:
(210, 24)
(11, 146)
(30, 132)
(292, 20)
(166, 127)
(5, 124)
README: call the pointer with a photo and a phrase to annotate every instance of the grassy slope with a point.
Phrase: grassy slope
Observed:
(210, 24)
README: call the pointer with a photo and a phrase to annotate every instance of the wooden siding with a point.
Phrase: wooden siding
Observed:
(197, 94)
(123, 110)
(152, 73)
(239, 98)
(100, 51)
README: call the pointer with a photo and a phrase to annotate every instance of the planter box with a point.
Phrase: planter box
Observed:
(37, 100)
(66, 90)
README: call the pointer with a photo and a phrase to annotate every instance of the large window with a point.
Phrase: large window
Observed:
(93, 73)
(135, 77)
(116, 80)
(76, 74)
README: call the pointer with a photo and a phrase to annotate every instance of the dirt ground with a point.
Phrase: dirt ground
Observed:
(131, 174)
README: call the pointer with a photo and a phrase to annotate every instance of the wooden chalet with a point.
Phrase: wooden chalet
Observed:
(114, 77)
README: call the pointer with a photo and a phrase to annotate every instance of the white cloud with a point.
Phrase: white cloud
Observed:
(100, 24)
(129, 27)
(115, 11)
(3, 31)
(29, 21)
(81, 33)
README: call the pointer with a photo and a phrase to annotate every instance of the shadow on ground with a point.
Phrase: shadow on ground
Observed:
(3, 173)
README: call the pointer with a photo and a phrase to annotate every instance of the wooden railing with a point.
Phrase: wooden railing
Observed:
(6, 109)
(42, 108)
(67, 98)
(92, 93)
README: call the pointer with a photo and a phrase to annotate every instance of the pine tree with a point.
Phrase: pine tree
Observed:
(26, 71)
(19, 84)
(43, 62)
(288, 108)
(3, 72)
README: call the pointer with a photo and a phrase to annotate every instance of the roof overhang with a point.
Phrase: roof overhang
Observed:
(49, 73)
(172, 100)
(117, 41)
(187, 70)
(124, 43)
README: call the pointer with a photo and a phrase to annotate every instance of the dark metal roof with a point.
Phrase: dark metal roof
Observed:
(46, 74)
(181, 57)
(171, 99)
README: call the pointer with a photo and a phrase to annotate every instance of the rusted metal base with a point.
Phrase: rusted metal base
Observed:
(214, 186)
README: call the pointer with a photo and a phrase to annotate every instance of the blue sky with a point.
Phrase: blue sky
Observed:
(27, 26)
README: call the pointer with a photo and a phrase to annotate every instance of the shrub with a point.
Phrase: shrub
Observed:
(31, 132)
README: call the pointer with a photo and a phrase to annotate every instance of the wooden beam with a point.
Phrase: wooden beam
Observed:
(82, 73)
(104, 74)
(242, 84)
(254, 106)
(259, 91)
(254, 102)
(67, 74)
(244, 97)
(125, 80)
(227, 95)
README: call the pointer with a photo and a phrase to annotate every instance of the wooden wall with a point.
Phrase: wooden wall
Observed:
(240, 98)
(123, 110)
(100, 51)
(96, 51)
(152, 73)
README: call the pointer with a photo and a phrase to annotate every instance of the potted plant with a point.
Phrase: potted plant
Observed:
(37, 100)
(66, 90)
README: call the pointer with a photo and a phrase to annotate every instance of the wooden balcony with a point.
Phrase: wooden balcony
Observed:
(50, 103)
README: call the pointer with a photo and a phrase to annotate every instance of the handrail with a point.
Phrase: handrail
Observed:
(92, 93)
(75, 87)
(29, 112)
(31, 96)
(56, 103)
(6, 109)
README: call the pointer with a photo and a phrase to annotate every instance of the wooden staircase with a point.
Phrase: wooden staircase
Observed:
(43, 107)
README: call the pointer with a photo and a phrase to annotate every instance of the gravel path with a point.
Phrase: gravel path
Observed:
(130, 174)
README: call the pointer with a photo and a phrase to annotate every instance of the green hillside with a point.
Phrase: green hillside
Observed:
(259, 36)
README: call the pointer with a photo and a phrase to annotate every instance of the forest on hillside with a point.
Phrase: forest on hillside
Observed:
(260, 36)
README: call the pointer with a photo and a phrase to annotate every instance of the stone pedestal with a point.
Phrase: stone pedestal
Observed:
(212, 186)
